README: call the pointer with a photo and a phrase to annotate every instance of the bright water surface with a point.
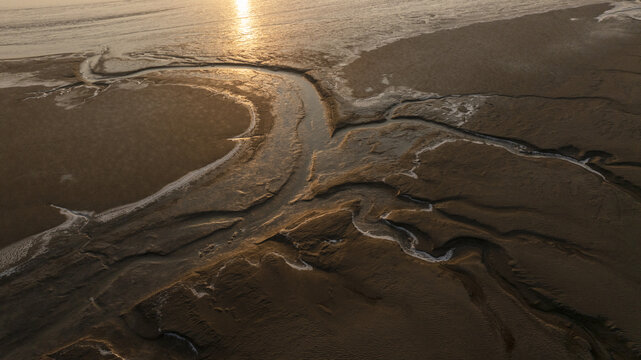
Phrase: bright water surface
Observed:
(301, 32)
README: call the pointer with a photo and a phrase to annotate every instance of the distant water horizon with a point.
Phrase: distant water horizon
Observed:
(296, 31)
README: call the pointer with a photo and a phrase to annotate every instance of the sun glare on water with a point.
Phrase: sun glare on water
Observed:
(243, 13)
(242, 7)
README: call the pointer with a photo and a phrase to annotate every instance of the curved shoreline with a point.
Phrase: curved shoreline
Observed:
(88, 77)
(94, 148)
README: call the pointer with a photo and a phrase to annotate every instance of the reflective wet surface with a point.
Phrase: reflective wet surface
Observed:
(299, 32)
(463, 192)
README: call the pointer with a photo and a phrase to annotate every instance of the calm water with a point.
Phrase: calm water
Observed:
(303, 32)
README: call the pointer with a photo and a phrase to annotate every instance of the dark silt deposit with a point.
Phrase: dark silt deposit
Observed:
(463, 194)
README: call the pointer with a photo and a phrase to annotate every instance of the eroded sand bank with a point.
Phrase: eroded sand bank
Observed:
(492, 211)
(95, 147)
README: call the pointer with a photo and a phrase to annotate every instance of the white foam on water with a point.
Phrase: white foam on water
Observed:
(454, 110)
(299, 267)
(507, 145)
(409, 250)
(27, 79)
(15, 255)
(461, 109)
(422, 255)
(251, 263)
(73, 97)
(197, 293)
(417, 156)
(623, 10)
(389, 96)
(520, 150)
(413, 238)
(369, 233)
(430, 258)
(132, 85)
(106, 353)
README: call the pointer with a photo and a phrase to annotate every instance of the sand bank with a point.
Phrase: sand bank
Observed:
(92, 148)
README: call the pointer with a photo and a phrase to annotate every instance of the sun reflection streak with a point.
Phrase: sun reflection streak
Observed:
(242, 6)
(243, 13)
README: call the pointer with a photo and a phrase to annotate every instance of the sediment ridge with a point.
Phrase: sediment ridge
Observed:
(500, 220)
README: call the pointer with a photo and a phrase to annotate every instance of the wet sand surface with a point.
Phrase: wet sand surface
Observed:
(476, 194)
(93, 148)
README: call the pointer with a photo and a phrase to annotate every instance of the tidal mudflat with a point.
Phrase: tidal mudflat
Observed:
(94, 147)
(472, 191)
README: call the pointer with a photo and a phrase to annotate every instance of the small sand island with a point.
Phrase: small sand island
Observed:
(464, 193)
